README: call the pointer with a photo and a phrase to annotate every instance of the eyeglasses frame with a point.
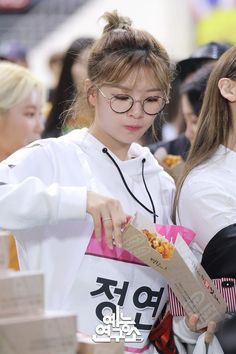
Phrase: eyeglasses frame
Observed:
(166, 101)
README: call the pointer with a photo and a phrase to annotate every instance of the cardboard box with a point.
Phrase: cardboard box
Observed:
(21, 293)
(176, 170)
(188, 280)
(87, 346)
(53, 333)
(176, 167)
(4, 249)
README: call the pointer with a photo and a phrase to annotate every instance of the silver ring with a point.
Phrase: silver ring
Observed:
(106, 219)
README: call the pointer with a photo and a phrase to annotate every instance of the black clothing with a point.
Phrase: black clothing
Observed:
(219, 255)
(219, 261)
(179, 146)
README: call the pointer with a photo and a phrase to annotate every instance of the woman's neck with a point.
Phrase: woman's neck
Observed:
(3, 155)
(4, 149)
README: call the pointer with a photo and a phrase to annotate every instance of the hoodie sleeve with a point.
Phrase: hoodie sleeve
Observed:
(28, 195)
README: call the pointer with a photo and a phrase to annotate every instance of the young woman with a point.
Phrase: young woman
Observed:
(21, 101)
(73, 73)
(94, 179)
(21, 122)
(191, 98)
(203, 55)
(192, 94)
(206, 195)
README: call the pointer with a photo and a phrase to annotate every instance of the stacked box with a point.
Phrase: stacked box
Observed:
(21, 294)
(25, 328)
(45, 334)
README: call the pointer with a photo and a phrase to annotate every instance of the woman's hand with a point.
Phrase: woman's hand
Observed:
(107, 212)
(191, 323)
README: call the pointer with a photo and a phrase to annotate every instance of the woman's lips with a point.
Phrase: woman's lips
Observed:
(132, 128)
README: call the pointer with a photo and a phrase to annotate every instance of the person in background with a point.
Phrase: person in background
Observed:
(14, 52)
(77, 192)
(206, 193)
(192, 94)
(55, 65)
(70, 84)
(21, 122)
(185, 69)
(21, 101)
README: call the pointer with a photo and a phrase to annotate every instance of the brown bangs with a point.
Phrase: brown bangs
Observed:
(120, 63)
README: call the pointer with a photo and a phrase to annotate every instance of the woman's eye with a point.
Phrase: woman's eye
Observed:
(152, 99)
(30, 114)
(122, 97)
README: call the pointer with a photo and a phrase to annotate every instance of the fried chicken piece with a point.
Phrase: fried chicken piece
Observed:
(172, 160)
(159, 244)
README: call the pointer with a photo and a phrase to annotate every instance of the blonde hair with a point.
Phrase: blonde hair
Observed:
(17, 83)
(215, 120)
(122, 48)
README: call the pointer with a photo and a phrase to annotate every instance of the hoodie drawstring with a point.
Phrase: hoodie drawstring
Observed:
(153, 211)
(149, 194)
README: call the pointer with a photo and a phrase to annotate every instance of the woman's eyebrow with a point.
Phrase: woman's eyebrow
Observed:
(30, 106)
(130, 88)
(154, 89)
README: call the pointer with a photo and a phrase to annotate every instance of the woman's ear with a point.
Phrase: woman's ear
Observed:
(91, 92)
(227, 89)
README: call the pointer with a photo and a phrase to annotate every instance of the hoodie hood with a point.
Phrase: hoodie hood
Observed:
(140, 176)
(92, 146)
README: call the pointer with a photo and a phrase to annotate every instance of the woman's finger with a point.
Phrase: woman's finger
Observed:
(210, 332)
(107, 223)
(191, 322)
(108, 230)
(97, 225)
(108, 216)
(117, 233)
(119, 220)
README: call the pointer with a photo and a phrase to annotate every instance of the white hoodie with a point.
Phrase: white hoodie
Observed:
(43, 201)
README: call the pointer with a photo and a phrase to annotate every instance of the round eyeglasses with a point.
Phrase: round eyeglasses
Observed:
(122, 103)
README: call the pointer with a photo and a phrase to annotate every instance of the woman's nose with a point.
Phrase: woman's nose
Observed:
(40, 124)
(136, 110)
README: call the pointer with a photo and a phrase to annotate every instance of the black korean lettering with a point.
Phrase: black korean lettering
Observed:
(139, 325)
(152, 299)
(105, 288)
(145, 297)
(122, 292)
(108, 287)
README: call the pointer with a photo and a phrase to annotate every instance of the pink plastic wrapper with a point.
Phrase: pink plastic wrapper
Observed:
(171, 231)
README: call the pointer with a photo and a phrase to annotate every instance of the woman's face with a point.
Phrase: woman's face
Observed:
(190, 118)
(22, 124)
(118, 130)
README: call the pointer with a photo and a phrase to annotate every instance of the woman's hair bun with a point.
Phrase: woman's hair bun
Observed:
(114, 21)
